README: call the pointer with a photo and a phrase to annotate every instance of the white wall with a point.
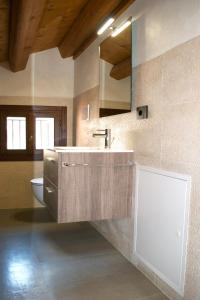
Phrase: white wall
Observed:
(85, 77)
(164, 24)
(160, 26)
(46, 75)
(53, 75)
(15, 84)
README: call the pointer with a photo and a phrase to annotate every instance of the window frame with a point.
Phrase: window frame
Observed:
(30, 112)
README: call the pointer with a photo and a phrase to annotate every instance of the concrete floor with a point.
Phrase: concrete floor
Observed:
(42, 260)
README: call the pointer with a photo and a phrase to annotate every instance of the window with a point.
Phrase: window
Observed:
(27, 130)
(44, 133)
(16, 133)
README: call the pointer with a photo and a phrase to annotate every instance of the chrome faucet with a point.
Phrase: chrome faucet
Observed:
(106, 133)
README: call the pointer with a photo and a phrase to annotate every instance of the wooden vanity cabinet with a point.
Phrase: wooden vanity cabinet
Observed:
(88, 186)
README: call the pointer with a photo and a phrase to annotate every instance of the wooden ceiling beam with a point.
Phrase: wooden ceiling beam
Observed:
(4, 29)
(121, 70)
(115, 13)
(25, 18)
(83, 30)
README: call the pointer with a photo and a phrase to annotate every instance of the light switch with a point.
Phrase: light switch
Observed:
(142, 112)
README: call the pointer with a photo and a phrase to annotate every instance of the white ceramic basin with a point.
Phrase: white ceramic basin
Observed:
(88, 149)
(74, 148)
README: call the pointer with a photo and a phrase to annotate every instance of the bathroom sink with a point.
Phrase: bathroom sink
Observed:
(87, 149)
(74, 148)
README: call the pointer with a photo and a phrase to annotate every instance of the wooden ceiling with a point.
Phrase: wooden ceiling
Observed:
(28, 26)
(4, 34)
(117, 51)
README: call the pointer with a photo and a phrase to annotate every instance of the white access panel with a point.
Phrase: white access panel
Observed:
(161, 222)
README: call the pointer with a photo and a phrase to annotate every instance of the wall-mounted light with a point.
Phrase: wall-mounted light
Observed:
(121, 28)
(105, 26)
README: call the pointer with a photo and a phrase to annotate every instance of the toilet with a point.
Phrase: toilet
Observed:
(37, 188)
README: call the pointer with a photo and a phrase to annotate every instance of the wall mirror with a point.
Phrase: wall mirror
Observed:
(116, 74)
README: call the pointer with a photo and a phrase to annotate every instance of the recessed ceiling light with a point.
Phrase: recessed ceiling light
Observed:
(105, 26)
(121, 28)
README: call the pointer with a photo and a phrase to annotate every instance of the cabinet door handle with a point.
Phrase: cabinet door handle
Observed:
(128, 164)
(49, 190)
(64, 164)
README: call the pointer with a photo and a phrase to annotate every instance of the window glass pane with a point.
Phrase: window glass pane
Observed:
(44, 133)
(16, 133)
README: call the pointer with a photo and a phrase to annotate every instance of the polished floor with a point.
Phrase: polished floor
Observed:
(45, 261)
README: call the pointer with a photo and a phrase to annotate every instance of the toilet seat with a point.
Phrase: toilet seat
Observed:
(37, 181)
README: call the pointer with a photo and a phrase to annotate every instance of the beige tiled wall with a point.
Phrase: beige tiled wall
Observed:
(169, 139)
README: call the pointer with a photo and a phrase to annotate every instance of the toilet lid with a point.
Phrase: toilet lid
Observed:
(37, 181)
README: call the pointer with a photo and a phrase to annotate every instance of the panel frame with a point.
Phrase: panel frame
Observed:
(137, 259)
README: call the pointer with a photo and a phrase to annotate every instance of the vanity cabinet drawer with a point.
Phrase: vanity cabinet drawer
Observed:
(95, 186)
(98, 159)
(88, 186)
(51, 166)
(51, 197)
